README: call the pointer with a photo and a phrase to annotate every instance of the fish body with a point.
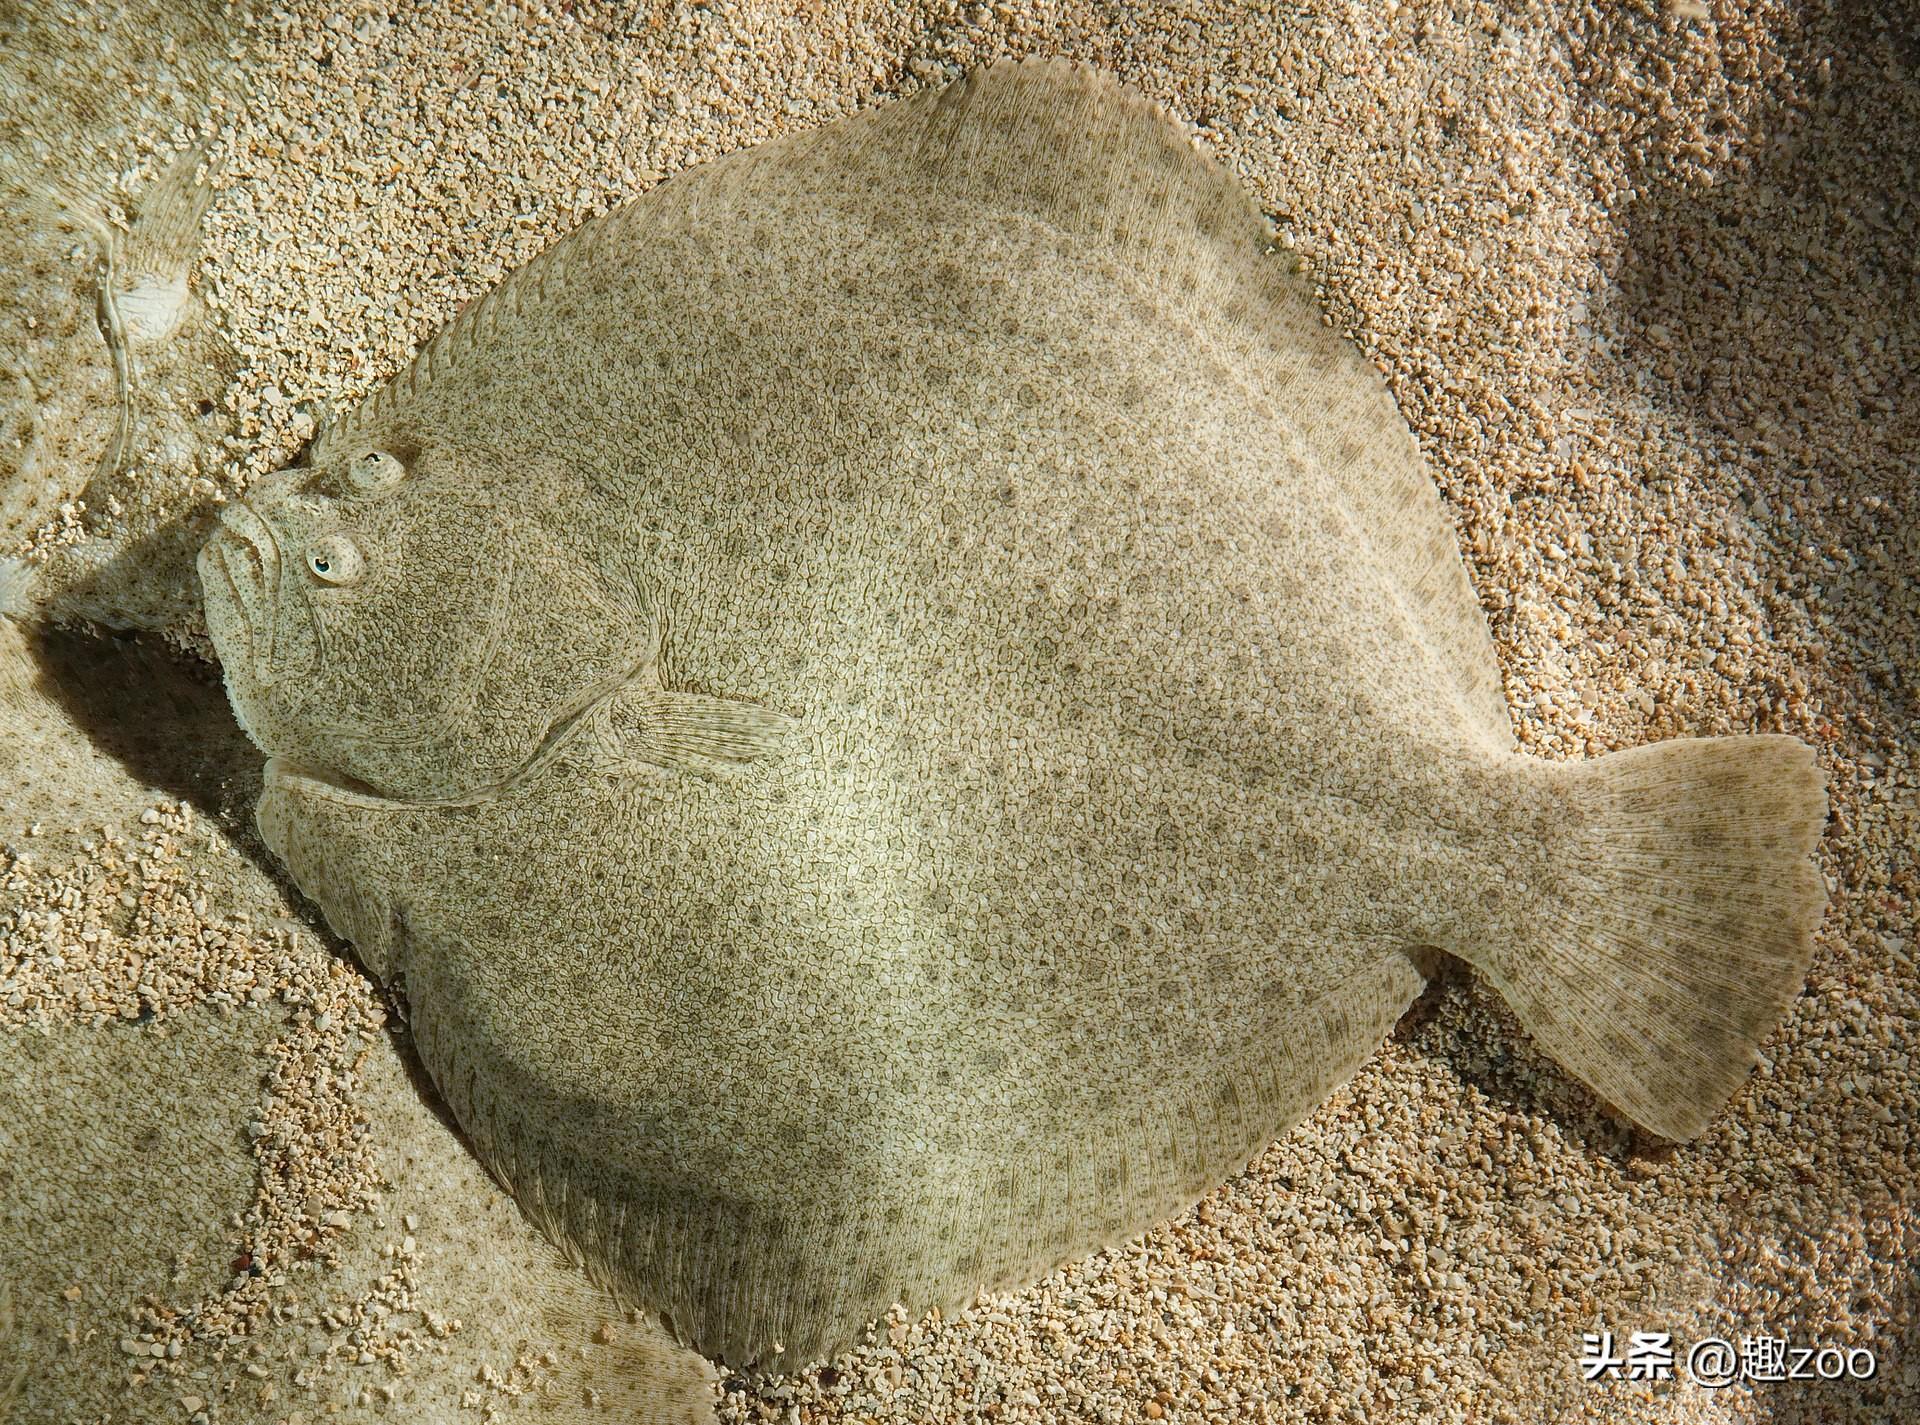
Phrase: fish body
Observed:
(900, 706)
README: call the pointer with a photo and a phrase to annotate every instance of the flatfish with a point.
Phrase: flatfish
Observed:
(899, 706)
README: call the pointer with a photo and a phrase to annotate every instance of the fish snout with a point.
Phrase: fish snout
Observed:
(243, 525)
(242, 519)
(240, 575)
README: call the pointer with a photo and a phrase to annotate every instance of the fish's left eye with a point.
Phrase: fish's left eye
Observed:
(373, 472)
(335, 560)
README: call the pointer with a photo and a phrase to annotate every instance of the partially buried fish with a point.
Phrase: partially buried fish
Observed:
(900, 705)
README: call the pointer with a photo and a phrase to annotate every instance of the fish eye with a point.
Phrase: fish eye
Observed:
(335, 560)
(373, 472)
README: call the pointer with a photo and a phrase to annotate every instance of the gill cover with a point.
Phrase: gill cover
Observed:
(414, 626)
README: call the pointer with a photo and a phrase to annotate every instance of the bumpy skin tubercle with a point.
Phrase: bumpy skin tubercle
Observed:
(912, 706)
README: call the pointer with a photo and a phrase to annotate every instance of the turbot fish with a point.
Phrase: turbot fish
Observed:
(899, 706)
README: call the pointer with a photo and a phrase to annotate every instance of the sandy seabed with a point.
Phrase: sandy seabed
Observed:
(1643, 280)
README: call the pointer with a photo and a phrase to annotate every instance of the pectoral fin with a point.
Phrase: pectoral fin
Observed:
(686, 732)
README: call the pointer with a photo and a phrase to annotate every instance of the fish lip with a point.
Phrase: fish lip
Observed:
(254, 584)
(217, 582)
(246, 524)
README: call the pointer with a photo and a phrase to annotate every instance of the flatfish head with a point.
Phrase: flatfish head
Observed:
(407, 618)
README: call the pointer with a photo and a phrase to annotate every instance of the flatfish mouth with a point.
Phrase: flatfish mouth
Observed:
(240, 569)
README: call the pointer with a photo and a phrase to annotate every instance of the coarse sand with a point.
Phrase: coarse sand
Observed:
(1643, 279)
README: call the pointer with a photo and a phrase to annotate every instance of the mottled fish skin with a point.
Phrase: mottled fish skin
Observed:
(123, 416)
(115, 426)
(1055, 722)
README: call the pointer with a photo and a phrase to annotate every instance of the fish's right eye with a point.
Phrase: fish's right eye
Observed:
(335, 560)
(374, 472)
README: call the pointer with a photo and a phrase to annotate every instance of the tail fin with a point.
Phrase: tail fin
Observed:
(1678, 928)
